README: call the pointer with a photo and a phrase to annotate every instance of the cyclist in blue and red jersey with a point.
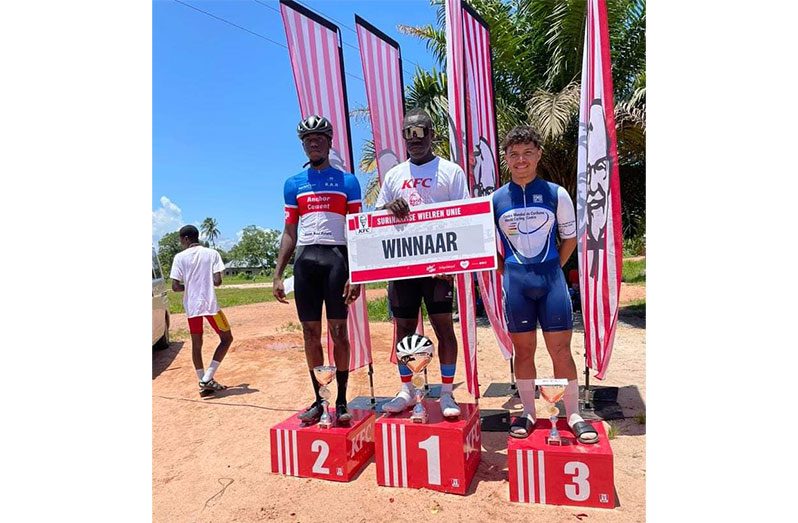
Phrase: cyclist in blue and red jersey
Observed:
(531, 213)
(316, 203)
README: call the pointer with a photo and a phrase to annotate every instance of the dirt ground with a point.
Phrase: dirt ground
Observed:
(211, 457)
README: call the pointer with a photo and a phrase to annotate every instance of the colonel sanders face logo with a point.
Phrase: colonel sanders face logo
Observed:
(598, 181)
(484, 169)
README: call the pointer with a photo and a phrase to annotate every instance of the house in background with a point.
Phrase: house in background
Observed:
(236, 267)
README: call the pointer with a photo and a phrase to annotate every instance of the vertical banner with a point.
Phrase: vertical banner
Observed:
(382, 71)
(314, 48)
(482, 145)
(455, 72)
(598, 196)
(381, 58)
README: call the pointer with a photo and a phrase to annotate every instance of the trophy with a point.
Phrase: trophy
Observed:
(324, 375)
(552, 390)
(415, 351)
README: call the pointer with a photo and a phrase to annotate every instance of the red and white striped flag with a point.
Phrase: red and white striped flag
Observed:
(482, 145)
(455, 72)
(598, 195)
(314, 47)
(382, 70)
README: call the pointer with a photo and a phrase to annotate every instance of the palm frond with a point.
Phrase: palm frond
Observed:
(551, 112)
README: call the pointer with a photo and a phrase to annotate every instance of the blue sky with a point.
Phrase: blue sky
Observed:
(224, 106)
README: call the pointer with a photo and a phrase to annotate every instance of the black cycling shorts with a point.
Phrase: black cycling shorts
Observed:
(405, 296)
(320, 274)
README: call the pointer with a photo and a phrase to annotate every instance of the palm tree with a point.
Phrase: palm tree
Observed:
(210, 230)
(537, 61)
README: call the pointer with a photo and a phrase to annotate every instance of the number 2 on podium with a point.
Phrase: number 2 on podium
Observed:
(323, 449)
(432, 447)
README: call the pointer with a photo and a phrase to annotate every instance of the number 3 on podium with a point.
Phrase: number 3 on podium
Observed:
(579, 489)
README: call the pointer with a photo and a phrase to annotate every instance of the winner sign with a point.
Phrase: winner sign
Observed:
(441, 238)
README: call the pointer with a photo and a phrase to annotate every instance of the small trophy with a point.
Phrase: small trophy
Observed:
(552, 390)
(415, 351)
(325, 374)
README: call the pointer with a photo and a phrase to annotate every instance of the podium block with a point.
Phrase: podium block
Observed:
(577, 474)
(334, 454)
(440, 455)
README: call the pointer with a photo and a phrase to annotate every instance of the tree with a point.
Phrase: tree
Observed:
(210, 229)
(537, 60)
(168, 247)
(257, 247)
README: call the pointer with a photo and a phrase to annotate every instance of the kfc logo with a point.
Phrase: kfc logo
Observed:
(363, 224)
(415, 182)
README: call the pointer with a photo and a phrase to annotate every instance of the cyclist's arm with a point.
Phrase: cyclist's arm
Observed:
(287, 245)
(566, 249)
(177, 286)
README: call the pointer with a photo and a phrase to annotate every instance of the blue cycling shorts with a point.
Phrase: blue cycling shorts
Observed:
(536, 293)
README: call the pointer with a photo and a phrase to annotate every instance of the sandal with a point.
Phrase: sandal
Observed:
(585, 432)
(521, 427)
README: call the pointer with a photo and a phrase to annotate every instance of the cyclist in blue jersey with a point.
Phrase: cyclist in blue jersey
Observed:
(317, 201)
(530, 214)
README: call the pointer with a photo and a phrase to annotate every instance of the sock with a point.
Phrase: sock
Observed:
(316, 386)
(211, 371)
(526, 389)
(405, 373)
(447, 377)
(571, 400)
(341, 379)
(200, 373)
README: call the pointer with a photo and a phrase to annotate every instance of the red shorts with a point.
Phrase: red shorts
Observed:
(218, 321)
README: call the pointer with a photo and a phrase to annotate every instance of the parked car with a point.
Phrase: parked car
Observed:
(160, 306)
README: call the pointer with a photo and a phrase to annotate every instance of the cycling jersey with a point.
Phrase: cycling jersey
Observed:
(526, 218)
(533, 284)
(436, 181)
(319, 202)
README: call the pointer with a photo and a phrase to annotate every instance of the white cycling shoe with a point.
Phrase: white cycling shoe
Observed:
(406, 398)
(449, 407)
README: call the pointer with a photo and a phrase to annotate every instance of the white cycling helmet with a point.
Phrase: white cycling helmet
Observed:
(413, 344)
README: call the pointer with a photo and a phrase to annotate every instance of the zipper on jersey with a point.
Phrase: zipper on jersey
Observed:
(526, 225)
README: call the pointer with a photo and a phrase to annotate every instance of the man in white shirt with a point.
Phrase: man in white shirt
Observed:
(423, 178)
(195, 272)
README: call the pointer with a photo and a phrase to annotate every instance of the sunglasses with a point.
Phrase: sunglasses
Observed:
(414, 132)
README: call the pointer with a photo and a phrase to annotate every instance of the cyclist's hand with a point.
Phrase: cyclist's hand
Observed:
(399, 207)
(351, 292)
(278, 290)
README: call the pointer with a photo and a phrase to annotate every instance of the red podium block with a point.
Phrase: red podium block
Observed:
(577, 474)
(439, 455)
(335, 454)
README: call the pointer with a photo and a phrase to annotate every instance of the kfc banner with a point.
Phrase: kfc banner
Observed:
(314, 48)
(598, 196)
(482, 141)
(464, 283)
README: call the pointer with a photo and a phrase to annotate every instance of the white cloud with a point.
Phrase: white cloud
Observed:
(168, 218)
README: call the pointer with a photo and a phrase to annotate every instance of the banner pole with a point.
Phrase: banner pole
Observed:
(426, 384)
(513, 387)
(587, 387)
(371, 386)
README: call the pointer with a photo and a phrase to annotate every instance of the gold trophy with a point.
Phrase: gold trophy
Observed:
(552, 390)
(415, 351)
(325, 374)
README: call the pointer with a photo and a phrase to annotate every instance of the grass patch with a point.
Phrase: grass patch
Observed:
(636, 307)
(634, 271)
(377, 285)
(640, 418)
(225, 297)
(613, 430)
(290, 327)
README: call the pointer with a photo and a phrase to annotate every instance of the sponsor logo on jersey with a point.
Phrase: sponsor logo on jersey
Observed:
(537, 198)
(415, 182)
